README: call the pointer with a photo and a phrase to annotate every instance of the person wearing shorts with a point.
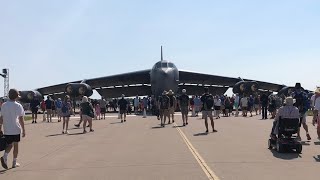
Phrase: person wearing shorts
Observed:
(207, 105)
(184, 104)
(164, 104)
(123, 107)
(49, 104)
(12, 119)
(103, 106)
(173, 104)
(34, 106)
(315, 102)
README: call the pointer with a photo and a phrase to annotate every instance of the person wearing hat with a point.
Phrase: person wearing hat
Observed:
(302, 104)
(287, 111)
(12, 119)
(315, 103)
(184, 104)
(173, 105)
(164, 104)
(123, 107)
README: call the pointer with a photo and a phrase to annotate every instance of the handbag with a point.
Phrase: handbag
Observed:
(3, 142)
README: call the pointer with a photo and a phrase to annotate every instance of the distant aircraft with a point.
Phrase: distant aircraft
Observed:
(163, 76)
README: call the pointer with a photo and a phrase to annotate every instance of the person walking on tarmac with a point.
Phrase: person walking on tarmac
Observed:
(164, 104)
(302, 104)
(123, 107)
(173, 105)
(184, 104)
(207, 105)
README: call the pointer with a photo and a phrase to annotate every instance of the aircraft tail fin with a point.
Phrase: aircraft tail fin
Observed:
(161, 54)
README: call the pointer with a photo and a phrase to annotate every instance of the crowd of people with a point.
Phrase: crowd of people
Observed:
(294, 105)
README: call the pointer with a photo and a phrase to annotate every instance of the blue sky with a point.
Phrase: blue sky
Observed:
(48, 42)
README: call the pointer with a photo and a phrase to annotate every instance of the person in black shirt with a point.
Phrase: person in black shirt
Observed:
(207, 105)
(123, 107)
(34, 106)
(184, 104)
(264, 100)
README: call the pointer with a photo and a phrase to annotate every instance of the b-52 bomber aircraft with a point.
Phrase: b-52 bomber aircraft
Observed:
(163, 76)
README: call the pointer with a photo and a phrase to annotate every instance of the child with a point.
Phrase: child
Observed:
(98, 112)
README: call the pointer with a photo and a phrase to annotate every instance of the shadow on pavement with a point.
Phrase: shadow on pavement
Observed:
(317, 158)
(53, 135)
(116, 123)
(75, 134)
(317, 143)
(157, 127)
(3, 171)
(178, 126)
(289, 155)
(201, 134)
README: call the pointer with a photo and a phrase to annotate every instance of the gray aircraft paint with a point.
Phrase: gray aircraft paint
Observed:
(164, 76)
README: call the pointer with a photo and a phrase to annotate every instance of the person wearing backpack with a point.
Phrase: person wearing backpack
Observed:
(164, 104)
(87, 113)
(173, 105)
(207, 105)
(184, 104)
(65, 113)
(302, 104)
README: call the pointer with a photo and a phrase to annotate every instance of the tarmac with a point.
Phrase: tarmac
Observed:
(141, 149)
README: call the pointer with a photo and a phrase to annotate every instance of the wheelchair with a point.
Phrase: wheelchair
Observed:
(285, 140)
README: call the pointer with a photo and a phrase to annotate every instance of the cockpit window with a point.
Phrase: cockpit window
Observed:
(171, 65)
(164, 64)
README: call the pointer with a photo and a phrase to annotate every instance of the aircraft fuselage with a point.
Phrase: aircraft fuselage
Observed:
(164, 76)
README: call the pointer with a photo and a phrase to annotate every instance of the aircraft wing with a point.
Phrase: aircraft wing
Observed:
(199, 79)
(114, 84)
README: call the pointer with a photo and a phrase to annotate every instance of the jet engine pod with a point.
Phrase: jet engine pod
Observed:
(78, 89)
(28, 96)
(245, 87)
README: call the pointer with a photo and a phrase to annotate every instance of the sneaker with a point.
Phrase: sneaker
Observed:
(91, 130)
(88, 125)
(35, 122)
(124, 120)
(186, 123)
(4, 163)
(15, 165)
(84, 131)
(62, 132)
(32, 122)
(172, 121)
(214, 131)
(207, 131)
(308, 137)
(67, 132)
(183, 124)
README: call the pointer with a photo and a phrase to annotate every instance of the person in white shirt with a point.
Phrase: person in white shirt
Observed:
(12, 119)
(217, 106)
(315, 103)
(236, 104)
(244, 105)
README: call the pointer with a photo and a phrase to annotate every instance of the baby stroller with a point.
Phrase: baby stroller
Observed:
(285, 140)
